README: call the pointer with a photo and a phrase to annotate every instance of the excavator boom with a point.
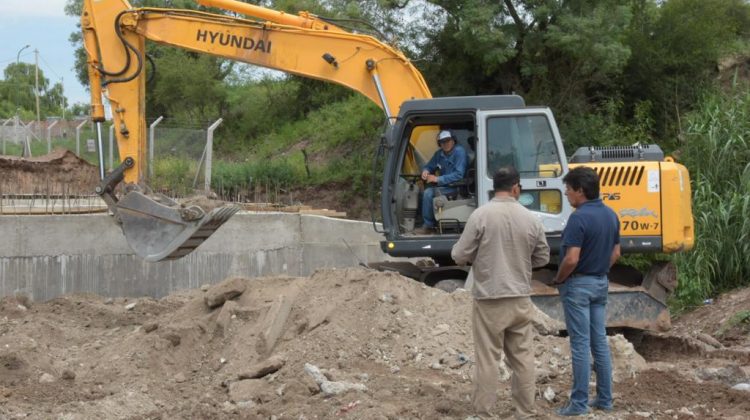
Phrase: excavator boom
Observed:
(305, 45)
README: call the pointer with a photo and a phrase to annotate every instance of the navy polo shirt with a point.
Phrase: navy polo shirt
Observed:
(595, 229)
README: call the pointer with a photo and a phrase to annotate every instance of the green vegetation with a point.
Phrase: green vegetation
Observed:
(717, 152)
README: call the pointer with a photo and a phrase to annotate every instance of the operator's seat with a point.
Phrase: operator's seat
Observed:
(453, 210)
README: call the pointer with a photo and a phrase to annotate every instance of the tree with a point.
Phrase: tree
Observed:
(676, 50)
(17, 92)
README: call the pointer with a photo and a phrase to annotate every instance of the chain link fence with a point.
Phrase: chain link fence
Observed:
(180, 161)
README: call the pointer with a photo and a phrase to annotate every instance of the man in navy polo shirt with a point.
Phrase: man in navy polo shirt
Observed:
(590, 246)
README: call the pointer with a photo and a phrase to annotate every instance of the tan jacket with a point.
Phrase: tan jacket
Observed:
(503, 241)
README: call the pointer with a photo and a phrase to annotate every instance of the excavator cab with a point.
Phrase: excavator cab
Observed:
(638, 182)
(495, 131)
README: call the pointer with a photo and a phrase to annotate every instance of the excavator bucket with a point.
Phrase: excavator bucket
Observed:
(634, 301)
(160, 229)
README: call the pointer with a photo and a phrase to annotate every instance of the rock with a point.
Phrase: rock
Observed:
(644, 414)
(363, 377)
(263, 368)
(742, 387)
(337, 388)
(22, 308)
(280, 390)
(626, 362)
(173, 338)
(226, 290)
(544, 324)
(205, 287)
(458, 360)
(109, 301)
(709, 340)
(272, 324)
(330, 388)
(549, 394)
(46, 378)
(130, 306)
(68, 375)
(320, 316)
(440, 329)
(255, 390)
(244, 405)
(225, 315)
(727, 375)
(180, 378)
(150, 326)
(395, 369)
(686, 411)
(386, 298)
(228, 407)
(436, 366)
(315, 373)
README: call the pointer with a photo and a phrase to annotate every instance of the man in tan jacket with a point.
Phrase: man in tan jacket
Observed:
(503, 241)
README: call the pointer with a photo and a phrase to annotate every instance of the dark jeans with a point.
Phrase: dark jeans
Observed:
(584, 300)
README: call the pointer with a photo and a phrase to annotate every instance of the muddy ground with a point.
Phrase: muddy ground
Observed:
(248, 348)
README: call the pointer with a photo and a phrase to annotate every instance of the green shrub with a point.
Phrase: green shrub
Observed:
(717, 154)
(174, 175)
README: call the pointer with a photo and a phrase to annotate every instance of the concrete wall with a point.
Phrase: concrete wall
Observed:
(47, 256)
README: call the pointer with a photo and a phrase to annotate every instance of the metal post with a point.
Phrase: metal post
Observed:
(16, 123)
(49, 136)
(210, 153)
(111, 146)
(36, 85)
(78, 137)
(99, 146)
(4, 124)
(151, 147)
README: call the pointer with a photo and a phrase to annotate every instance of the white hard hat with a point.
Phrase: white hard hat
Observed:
(444, 135)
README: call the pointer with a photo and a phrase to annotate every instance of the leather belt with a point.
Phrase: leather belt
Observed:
(584, 274)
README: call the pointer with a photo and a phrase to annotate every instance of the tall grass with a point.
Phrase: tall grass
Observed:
(717, 153)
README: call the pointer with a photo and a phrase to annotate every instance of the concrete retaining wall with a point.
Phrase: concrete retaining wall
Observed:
(47, 256)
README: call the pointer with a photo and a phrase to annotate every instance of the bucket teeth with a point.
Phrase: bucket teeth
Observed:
(157, 232)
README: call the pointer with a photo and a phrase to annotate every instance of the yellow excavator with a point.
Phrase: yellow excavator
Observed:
(650, 193)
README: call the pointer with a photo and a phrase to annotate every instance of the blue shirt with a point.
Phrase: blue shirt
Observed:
(595, 229)
(452, 167)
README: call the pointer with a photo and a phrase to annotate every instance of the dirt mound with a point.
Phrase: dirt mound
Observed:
(349, 343)
(60, 172)
(726, 318)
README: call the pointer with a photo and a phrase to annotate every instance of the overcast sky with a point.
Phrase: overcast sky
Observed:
(43, 25)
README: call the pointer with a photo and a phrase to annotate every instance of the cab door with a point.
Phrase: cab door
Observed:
(527, 139)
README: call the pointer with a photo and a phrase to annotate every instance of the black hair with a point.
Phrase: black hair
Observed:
(505, 178)
(583, 178)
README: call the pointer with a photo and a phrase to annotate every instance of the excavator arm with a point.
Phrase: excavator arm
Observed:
(114, 39)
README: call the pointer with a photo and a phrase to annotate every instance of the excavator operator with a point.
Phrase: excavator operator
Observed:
(448, 165)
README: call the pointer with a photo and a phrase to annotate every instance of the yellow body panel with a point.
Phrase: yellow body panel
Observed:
(652, 199)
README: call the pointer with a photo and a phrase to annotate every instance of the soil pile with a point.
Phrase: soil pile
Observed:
(349, 343)
(59, 172)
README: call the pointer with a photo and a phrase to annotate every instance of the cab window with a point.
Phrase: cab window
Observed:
(525, 142)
